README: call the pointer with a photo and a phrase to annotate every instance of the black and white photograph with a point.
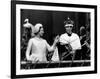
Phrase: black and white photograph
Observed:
(51, 38)
(58, 37)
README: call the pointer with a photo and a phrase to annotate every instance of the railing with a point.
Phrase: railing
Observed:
(54, 64)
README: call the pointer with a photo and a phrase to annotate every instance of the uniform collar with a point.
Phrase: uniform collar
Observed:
(69, 34)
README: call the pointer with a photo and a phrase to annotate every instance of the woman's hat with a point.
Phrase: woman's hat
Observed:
(37, 27)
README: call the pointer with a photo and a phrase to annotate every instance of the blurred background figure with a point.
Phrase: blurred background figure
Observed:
(28, 25)
(26, 34)
(85, 43)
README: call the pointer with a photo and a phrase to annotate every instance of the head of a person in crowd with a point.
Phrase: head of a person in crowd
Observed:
(82, 31)
(68, 24)
(38, 29)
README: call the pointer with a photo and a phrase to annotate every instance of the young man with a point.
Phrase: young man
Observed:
(38, 47)
(69, 40)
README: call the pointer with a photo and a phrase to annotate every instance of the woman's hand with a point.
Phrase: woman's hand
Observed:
(33, 59)
(56, 40)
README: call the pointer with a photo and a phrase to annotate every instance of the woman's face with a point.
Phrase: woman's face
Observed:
(41, 32)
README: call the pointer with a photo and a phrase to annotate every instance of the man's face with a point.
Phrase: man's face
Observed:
(68, 28)
(41, 32)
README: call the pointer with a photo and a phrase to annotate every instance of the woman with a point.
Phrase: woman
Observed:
(38, 47)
